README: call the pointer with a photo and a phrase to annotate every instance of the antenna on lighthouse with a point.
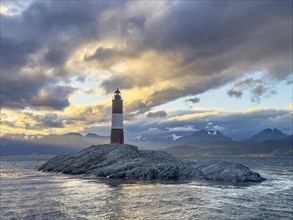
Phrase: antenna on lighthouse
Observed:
(117, 133)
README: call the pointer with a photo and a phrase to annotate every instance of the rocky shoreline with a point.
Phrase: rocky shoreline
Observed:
(128, 162)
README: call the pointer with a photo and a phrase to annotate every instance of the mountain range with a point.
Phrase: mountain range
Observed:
(268, 134)
(268, 142)
(21, 144)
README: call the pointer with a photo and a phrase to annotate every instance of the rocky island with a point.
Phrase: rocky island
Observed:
(128, 162)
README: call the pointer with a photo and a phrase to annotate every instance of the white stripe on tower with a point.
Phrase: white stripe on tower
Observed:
(117, 120)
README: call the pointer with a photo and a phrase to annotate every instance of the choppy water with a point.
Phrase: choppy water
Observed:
(29, 194)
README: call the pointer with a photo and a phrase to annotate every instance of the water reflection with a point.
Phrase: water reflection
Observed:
(28, 194)
(119, 182)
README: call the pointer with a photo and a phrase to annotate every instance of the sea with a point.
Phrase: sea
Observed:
(29, 194)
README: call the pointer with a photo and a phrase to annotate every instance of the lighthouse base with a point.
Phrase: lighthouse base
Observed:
(117, 136)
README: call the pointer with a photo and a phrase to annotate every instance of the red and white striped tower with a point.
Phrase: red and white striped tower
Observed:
(117, 134)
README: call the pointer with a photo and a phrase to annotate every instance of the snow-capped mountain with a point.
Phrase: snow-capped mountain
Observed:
(169, 137)
(23, 137)
(204, 137)
(198, 138)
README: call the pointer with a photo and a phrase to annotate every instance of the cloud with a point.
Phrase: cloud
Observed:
(88, 114)
(155, 53)
(35, 47)
(14, 7)
(248, 83)
(208, 55)
(54, 97)
(30, 122)
(258, 89)
(258, 92)
(81, 78)
(239, 125)
(234, 93)
(49, 120)
(14, 91)
(14, 53)
(73, 118)
(159, 114)
(152, 50)
(106, 57)
(211, 126)
(193, 100)
(185, 128)
(22, 89)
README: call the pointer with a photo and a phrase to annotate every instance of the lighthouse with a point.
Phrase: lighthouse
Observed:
(117, 134)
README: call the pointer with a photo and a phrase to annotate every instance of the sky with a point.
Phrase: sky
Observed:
(181, 66)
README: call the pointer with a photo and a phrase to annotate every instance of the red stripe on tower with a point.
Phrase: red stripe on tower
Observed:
(117, 134)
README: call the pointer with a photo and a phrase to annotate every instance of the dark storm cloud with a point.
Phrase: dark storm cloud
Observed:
(17, 88)
(213, 28)
(166, 95)
(158, 98)
(53, 97)
(34, 92)
(15, 54)
(158, 114)
(56, 56)
(102, 54)
(55, 15)
(126, 82)
(215, 40)
(53, 30)
(57, 26)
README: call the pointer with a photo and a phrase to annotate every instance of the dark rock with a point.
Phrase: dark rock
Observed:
(127, 162)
